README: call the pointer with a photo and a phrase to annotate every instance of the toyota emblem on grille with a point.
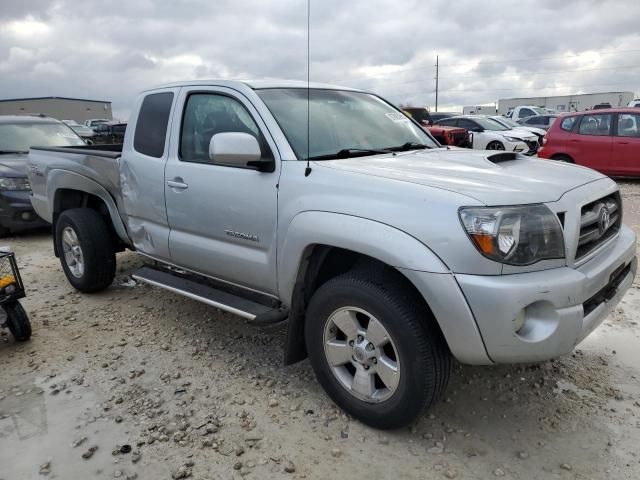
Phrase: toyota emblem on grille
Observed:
(604, 219)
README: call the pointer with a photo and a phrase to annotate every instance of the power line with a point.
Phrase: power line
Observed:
(514, 60)
(529, 74)
(555, 87)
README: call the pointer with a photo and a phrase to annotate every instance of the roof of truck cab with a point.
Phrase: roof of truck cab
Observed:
(255, 84)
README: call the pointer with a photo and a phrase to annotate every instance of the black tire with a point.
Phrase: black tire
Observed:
(18, 321)
(95, 241)
(563, 158)
(422, 350)
(495, 145)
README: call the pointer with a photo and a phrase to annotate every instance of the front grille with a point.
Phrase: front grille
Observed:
(599, 221)
(533, 146)
(459, 138)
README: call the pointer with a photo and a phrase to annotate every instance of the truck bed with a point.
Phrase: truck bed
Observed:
(92, 164)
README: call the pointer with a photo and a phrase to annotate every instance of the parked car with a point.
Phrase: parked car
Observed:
(634, 103)
(538, 121)
(94, 122)
(435, 116)
(601, 106)
(605, 140)
(507, 122)
(453, 136)
(110, 133)
(17, 135)
(489, 135)
(524, 111)
(385, 253)
(84, 132)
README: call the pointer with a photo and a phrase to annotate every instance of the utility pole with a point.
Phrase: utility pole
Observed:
(436, 83)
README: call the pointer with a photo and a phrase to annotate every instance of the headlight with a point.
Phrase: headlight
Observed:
(512, 139)
(11, 183)
(519, 235)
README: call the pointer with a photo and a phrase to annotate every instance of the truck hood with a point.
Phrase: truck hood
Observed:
(13, 165)
(519, 181)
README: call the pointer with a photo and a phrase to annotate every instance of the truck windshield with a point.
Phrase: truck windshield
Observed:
(341, 121)
(20, 136)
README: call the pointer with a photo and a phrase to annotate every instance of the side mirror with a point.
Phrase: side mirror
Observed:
(477, 129)
(238, 149)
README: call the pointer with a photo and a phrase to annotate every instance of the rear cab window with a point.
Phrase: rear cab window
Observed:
(152, 124)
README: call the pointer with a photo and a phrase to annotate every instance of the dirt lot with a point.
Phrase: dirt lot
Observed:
(139, 383)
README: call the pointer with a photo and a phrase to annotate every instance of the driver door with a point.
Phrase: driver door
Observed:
(222, 218)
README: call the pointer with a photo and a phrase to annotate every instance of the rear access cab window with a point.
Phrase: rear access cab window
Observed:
(151, 127)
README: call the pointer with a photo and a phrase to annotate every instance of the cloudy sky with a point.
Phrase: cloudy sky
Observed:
(488, 50)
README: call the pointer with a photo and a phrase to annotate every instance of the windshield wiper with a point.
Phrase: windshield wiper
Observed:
(408, 146)
(352, 152)
(5, 152)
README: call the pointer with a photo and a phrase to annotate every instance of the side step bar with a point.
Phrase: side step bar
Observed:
(256, 313)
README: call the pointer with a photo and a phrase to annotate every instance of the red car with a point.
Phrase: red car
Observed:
(606, 140)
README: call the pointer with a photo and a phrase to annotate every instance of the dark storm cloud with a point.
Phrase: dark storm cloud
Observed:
(488, 50)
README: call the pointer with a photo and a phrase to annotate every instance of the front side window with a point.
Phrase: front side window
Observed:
(20, 136)
(628, 125)
(595, 124)
(206, 115)
(339, 120)
(151, 127)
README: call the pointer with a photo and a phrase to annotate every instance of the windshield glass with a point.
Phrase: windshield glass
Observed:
(506, 122)
(340, 120)
(489, 124)
(540, 111)
(19, 137)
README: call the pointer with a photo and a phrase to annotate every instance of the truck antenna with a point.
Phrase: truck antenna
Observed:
(307, 170)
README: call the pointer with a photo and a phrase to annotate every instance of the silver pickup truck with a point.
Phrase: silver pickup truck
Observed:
(328, 208)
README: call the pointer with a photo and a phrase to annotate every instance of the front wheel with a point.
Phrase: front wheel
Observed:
(86, 251)
(18, 321)
(375, 349)
(495, 145)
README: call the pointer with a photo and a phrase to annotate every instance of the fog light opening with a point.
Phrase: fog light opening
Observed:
(26, 216)
(518, 321)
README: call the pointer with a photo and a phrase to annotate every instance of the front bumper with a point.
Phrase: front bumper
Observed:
(16, 211)
(561, 306)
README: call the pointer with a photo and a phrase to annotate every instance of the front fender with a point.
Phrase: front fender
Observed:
(413, 259)
(368, 237)
(65, 180)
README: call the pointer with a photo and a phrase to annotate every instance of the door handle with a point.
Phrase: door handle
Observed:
(622, 143)
(177, 184)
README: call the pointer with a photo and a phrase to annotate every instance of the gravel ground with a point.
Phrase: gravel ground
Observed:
(135, 382)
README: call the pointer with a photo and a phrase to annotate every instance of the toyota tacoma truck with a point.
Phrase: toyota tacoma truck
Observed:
(386, 254)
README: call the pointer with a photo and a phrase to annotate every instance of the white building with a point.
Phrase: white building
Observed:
(568, 103)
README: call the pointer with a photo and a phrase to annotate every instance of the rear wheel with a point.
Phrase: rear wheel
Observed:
(374, 348)
(18, 321)
(562, 158)
(495, 145)
(86, 249)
